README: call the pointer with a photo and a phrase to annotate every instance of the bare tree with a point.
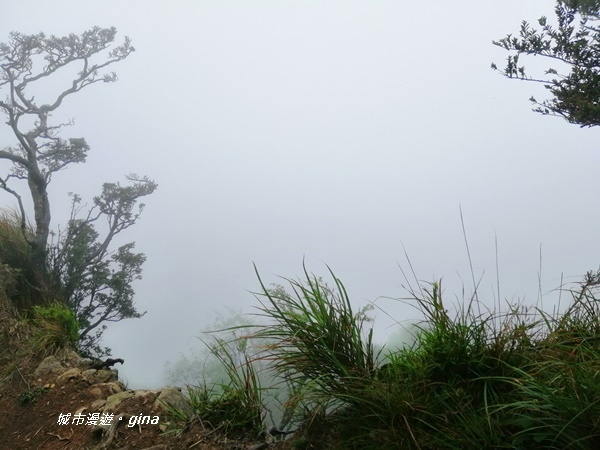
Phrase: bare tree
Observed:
(25, 62)
(93, 281)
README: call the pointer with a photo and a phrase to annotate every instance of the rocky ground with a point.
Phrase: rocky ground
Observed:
(51, 398)
(62, 403)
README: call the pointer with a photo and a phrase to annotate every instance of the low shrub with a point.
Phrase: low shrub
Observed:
(31, 395)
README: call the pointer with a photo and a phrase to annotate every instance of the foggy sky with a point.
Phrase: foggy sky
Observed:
(338, 132)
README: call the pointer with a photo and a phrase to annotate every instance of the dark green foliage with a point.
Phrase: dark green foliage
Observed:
(574, 45)
(586, 7)
(97, 284)
(32, 395)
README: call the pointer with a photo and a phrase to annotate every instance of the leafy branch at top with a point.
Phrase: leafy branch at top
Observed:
(574, 81)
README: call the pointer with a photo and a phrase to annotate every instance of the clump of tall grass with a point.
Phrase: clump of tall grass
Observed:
(473, 379)
(15, 253)
(14, 248)
(316, 338)
(55, 327)
(557, 395)
(32, 287)
(235, 406)
(319, 346)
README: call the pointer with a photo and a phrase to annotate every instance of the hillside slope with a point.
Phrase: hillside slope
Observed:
(61, 401)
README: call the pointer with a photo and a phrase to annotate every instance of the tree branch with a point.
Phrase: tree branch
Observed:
(14, 158)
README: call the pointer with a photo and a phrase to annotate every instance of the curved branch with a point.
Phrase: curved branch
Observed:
(14, 158)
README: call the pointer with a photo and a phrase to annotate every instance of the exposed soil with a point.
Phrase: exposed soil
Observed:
(30, 408)
(34, 425)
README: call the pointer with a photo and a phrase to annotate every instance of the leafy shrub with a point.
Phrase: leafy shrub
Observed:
(31, 395)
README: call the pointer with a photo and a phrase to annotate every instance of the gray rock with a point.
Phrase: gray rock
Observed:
(114, 400)
(50, 365)
(172, 397)
(68, 375)
(104, 390)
